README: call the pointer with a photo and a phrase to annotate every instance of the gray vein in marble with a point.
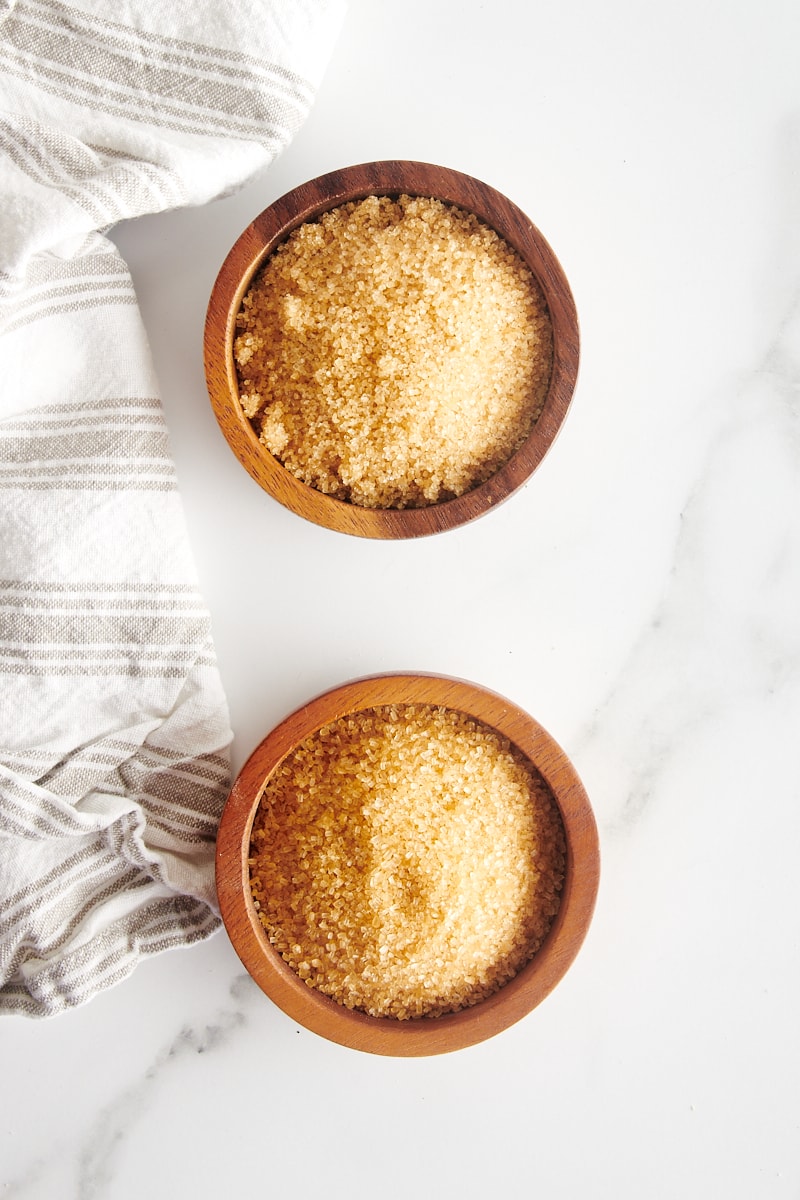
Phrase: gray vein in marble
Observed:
(96, 1160)
(725, 629)
(95, 1157)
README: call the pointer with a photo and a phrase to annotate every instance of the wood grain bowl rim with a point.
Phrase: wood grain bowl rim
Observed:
(421, 1036)
(307, 202)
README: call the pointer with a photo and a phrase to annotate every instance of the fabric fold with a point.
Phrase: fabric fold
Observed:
(114, 731)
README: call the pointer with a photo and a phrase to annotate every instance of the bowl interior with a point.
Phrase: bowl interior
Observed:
(308, 202)
(424, 1035)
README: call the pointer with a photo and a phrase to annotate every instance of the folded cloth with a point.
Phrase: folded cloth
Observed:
(114, 731)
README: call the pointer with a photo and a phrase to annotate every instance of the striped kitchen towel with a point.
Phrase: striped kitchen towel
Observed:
(113, 724)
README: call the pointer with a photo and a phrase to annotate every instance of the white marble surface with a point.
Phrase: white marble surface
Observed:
(640, 597)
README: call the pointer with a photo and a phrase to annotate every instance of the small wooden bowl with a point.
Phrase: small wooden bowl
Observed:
(308, 202)
(424, 1035)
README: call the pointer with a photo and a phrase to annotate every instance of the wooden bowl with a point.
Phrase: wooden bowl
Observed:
(425, 1035)
(308, 202)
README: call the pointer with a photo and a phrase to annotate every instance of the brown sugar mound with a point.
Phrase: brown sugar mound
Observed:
(394, 353)
(406, 861)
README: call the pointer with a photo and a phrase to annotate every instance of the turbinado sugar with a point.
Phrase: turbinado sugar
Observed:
(393, 353)
(407, 861)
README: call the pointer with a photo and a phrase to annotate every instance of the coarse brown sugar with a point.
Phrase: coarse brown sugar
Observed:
(406, 861)
(394, 353)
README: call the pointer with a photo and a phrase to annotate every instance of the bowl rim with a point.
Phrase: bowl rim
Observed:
(424, 1035)
(307, 202)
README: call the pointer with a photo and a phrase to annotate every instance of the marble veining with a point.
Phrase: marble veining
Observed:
(640, 597)
(96, 1158)
(725, 630)
(92, 1159)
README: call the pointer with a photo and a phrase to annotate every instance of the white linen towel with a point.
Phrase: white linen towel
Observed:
(113, 724)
